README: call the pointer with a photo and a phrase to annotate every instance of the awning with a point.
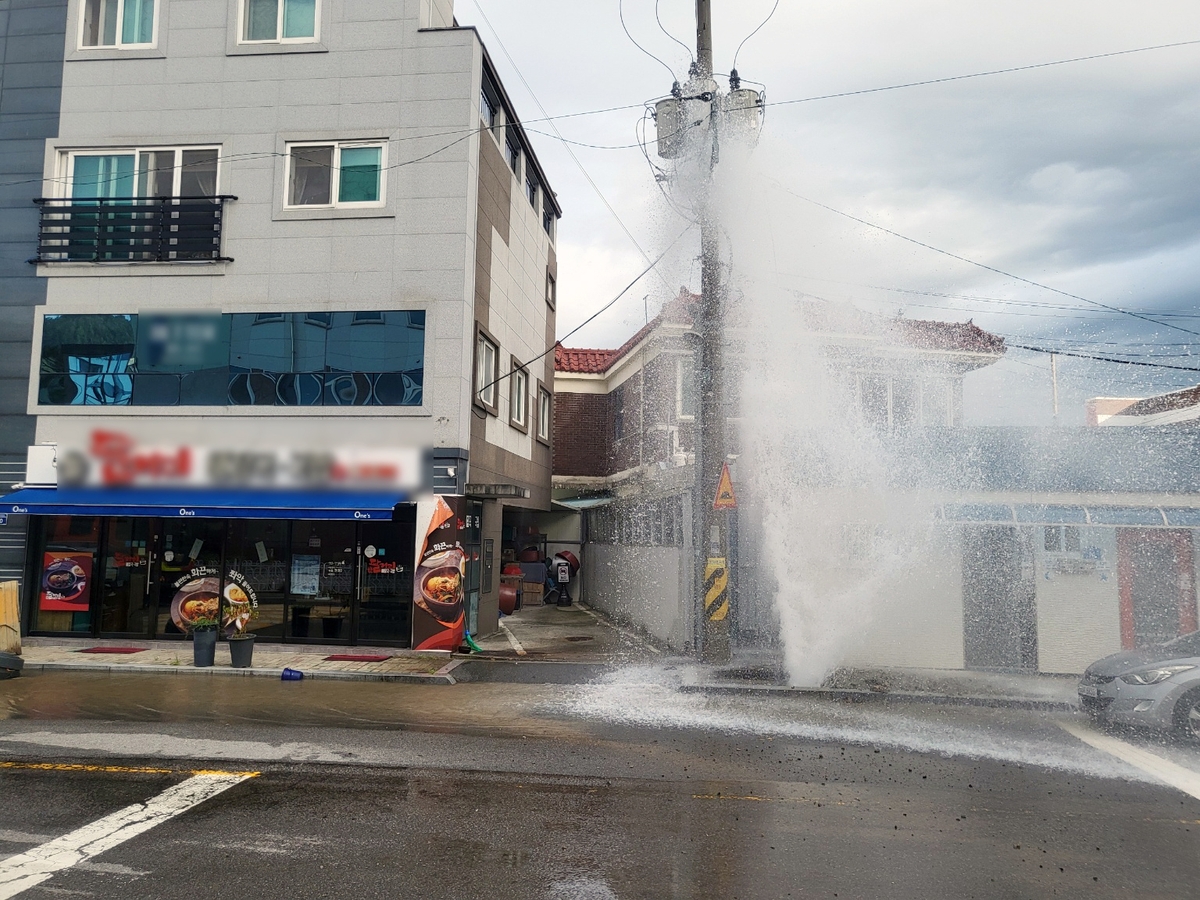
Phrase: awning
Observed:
(176, 503)
(578, 504)
(1036, 514)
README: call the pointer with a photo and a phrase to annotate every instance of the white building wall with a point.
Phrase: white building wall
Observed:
(641, 585)
(1078, 603)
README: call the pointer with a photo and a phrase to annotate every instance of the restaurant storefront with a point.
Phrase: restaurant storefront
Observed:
(320, 568)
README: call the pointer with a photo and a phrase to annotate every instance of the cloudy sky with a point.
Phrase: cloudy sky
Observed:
(1082, 177)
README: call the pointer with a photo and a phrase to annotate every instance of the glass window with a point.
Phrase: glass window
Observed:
(518, 398)
(551, 291)
(155, 172)
(545, 408)
(687, 389)
(531, 189)
(487, 361)
(360, 175)
(309, 183)
(321, 580)
(117, 23)
(372, 358)
(548, 218)
(489, 101)
(935, 405)
(67, 578)
(258, 550)
(512, 152)
(86, 360)
(271, 21)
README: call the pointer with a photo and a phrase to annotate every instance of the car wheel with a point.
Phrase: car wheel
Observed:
(1187, 715)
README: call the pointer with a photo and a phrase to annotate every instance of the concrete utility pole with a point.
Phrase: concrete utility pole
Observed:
(712, 541)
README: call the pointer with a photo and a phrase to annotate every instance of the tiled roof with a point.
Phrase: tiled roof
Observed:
(962, 336)
(596, 362)
(1175, 400)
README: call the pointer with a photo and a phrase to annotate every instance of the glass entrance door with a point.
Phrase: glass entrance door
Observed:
(385, 586)
(126, 604)
(188, 549)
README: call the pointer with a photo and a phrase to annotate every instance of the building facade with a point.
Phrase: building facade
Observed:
(284, 247)
(990, 548)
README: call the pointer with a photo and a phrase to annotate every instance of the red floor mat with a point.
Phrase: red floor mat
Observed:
(121, 650)
(349, 657)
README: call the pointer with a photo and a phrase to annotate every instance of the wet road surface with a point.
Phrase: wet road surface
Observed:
(625, 790)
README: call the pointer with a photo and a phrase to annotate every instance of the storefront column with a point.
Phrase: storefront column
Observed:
(489, 600)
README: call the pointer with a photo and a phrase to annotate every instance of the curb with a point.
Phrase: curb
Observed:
(442, 676)
(853, 696)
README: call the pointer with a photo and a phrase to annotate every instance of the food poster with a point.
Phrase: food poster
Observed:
(438, 585)
(203, 598)
(66, 582)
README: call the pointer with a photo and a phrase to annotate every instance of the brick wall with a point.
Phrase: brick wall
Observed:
(582, 434)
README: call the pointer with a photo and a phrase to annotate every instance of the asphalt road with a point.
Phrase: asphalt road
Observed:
(623, 790)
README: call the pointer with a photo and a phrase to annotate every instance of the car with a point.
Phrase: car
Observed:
(1154, 687)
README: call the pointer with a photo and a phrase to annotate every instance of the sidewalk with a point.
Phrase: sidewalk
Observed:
(541, 643)
(1017, 690)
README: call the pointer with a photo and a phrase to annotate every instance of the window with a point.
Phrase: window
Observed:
(1062, 539)
(489, 101)
(278, 21)
(512, 152)
(518, 397)
(117, 23)
(487, 371)
(618, 407)
(342, 175)
(548, 218)
(531, 189)
(935, 404)
(545, 410)
(551, 291)
(685, 405)
(136, 172)
(214, 359)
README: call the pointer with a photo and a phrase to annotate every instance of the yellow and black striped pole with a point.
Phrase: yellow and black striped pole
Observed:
(716, 606)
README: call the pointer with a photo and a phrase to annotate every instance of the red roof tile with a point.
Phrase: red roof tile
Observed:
(963, 336)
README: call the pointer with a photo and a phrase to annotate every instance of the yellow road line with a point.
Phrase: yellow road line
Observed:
(135, 770)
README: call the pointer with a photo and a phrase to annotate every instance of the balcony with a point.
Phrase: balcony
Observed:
(130, 230)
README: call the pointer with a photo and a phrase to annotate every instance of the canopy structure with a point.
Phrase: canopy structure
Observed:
(202, 503)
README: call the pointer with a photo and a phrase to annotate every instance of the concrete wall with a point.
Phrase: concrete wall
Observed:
(640, 585)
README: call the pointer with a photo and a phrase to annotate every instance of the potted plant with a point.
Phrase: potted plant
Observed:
(241, 611)
(204, 641)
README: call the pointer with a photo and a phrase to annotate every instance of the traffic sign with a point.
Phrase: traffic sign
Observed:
(725, 498)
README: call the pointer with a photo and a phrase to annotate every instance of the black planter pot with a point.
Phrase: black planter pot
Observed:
(241, 650)
(204, 647)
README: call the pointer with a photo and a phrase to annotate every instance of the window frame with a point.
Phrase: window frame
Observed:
(477, 385)
(549, 220)
(545, 423)
(680, 364)
(518, 376)
(335, 182)
(551, 290)
(119, 44)
(67, 157)
(533, 188)
(241, 41)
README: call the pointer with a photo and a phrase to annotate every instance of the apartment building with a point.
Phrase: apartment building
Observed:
(296, 264)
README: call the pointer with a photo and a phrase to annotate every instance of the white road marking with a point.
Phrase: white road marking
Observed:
(25, 870)
(512, 639)
(1173, 774)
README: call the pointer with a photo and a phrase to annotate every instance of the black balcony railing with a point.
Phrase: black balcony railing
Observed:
(149, 229)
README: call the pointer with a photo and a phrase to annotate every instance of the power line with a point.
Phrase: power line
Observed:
(658, 3)
(593, 316)
(1107, 359)
(1008, 71)
(621, 14)
(737, 52)
(1029, 281)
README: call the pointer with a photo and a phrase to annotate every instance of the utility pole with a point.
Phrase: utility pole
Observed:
(1054, 383)
(712, 541)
